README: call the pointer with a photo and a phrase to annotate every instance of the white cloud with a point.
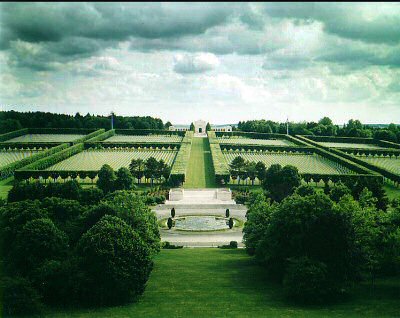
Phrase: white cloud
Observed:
(195, 63)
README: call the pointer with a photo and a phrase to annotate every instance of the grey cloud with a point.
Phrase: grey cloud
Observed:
(347, 20)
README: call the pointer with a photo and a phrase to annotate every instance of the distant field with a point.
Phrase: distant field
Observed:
(149, 138)
(249, 141)
(7, 157)
(348, 145)
(46, 138)
(390, 164)
(95, 159)
(305, 163)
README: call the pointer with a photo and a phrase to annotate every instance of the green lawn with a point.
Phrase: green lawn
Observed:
(200, 168)
(392, 191)
(227, 283)
(5, 186)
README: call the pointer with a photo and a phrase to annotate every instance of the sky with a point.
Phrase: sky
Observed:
(221, 62)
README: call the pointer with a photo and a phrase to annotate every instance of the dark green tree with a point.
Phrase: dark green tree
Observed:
(116, 262)
(124, 179)
(106, 180)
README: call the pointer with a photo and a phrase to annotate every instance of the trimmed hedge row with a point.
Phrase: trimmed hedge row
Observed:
(102, 136)
(28, 145)
(42, 164)
(345, 178)
(13, 134)
(179, 167)
(89, 136)
(221, 168)
(54, 174)
(144, 145)
(373, 152)
(388, 144)
(303, 149)
(8, 170)
(145, 132)
(356, 140)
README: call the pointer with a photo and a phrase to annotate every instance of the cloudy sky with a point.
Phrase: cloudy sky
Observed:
(215, 61)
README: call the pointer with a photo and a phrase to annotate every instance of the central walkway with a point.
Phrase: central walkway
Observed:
(200, 173)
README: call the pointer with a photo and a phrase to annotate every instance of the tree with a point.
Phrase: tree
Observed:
(116, 262)
(167, 125)
(315, 227)
(305, 190)
(137, 167)
(191, 127)
(132, 209)
(151, 169)
(106, 180)
(236, 166)
(281, 182)
(251, 169)
(230, 223)
(258, 219)
(169, 223)
(208, 127)
(338, 191)
(261, 170)
(306, 281)
(173, 212)
(39, 240)
(124, 179)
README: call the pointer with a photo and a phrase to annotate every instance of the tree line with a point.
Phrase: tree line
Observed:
(13, 120)
(324, 127)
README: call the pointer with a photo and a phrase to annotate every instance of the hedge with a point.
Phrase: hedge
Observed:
(145, 132)
(102, 136)
(144, 145)
(221, 168)
(13, 134)
(89, 136)
(373, 152)
(29, 145)
(388, 144)
(8, 170)
(250, 147)
(42, 164)
(179, 167)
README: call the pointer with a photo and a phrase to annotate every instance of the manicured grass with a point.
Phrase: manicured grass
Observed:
(228, 283)
(200, 173)
(5, 186)
(392, 191)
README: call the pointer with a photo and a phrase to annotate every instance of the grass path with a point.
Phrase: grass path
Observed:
(204, 282)
(200, 169)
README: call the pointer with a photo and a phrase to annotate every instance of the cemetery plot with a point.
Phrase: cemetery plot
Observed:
(7, 156)
(45, 138)
(145, 138)
(95, 159)
(250, 141)
(391, 164)
(349, 145)
(305, 163)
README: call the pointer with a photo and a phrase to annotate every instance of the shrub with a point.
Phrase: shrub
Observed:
(230, 223)
(169, 223)
(173, 212)
(19, 297)
(90, 196)
(39, 240)
(233, 244)
(306, 281)
(168, 246)
(115, 260)
(305, 190)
